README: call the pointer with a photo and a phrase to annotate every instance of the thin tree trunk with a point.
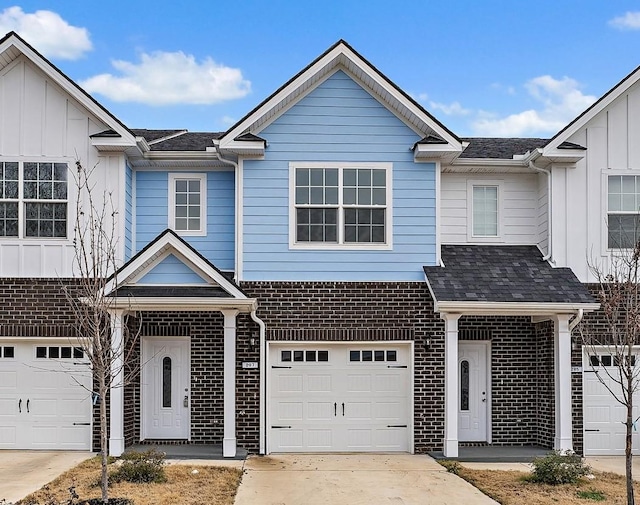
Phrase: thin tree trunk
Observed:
(628, 446)
(104, 440)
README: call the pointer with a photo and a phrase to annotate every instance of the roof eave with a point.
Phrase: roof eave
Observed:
(133, 303)
(512, 308)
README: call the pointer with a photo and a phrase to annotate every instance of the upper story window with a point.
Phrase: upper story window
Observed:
(623, 211)
(187, 203)
(484, 210)
(33, 199)
(341, 205)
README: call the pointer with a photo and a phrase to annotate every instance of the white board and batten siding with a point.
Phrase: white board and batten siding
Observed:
(520, 214)
(40, 122)
(339, 397)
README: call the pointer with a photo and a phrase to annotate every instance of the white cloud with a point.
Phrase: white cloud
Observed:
(227, 121)
(452, 109)
(168, 78)
(47, 32)
(560, 101)
(630, 21)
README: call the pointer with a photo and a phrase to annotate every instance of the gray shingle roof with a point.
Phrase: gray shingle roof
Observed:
(178, 140)
(489, 273)
(500, 148)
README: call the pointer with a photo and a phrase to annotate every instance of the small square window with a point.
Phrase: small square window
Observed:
(605, 360)
(594, 360)
(323, 355)
(298, 355)
(354, 356)
(78, 353)
(65, 352)
(41, 352)
(285, 356)
(367, 355)
(392, 356)
(310, 356)
(54, 352)
(9, 352)
(378, 355)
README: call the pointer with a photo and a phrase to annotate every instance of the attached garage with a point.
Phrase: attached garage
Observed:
(354, 397)
(45, 396)
(604, 417)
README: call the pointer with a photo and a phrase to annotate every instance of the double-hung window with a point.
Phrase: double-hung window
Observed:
(341, 205)
(484, 210)
(187, 203)
(33, 199)
(623, 211)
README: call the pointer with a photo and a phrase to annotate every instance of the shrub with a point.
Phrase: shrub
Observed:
(141, 467)
(559, 468)
(451, 466)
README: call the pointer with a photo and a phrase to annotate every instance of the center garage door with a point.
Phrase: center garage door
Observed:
(45, 396)
(604, 417)
(339, 398)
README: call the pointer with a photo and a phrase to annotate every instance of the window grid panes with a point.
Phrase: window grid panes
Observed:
(40, 200)
(340, 205)
(187, 204)
(464, 385)
(485, 211)
(623, 201)
(166, 382)
(309, 356)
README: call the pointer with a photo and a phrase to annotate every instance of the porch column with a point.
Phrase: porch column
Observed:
(450, 447)
(563, 440)
(229, 440)
(116, 390)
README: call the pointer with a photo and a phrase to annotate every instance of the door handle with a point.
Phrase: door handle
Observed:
(28, 405)
(342, 409)
(20, 406)
(335, 409)
(185, 402)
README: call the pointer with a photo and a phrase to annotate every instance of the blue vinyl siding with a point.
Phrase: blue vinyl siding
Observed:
(338, 121)
(152, 214)
(128, 214)
(171, 271)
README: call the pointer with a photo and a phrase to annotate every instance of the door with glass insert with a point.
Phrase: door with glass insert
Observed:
(473, 397)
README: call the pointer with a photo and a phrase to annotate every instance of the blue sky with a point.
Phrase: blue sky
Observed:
(483, 68)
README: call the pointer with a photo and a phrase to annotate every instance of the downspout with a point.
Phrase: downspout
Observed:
(263, 383)
(237, 204)
(549, 216)
(576, 320)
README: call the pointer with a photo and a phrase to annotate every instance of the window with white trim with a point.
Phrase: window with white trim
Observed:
(187, 203)
(33, 199)
(484, 210)
(341, 205)
(623, 211)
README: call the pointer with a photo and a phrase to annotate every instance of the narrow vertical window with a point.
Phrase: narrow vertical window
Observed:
(464, 385)
(166, 382)
(187, 203)
(485, 211)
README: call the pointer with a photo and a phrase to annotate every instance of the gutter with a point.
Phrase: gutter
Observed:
(263, 382)
(546, 171)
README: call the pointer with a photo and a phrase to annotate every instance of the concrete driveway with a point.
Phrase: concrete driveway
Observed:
(399, 479)
(23, 472)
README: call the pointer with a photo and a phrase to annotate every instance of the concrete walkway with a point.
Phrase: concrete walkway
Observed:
(399, 479)
(23, 472)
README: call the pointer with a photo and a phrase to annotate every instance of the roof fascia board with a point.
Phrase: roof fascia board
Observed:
(69, 86)
(603, 102)
(513, 308)
(191, 303)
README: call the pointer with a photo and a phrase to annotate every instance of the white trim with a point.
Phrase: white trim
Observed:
(438, 174)
(451, 385)
(188, 176)
(499, 185)
(341, 245)
(134, 206)
(361, 343)
(239, 243)
(507, 308)
(183, 303)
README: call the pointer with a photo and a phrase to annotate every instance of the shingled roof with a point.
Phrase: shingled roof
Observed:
(493, 273)
(178, 140)
(500, 148)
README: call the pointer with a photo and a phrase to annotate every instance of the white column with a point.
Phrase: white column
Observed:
(563, 440)
(229, 437)
(451, 389)
(116, 391)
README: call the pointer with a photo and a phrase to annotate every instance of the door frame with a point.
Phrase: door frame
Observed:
(144, 342)
(487, 345)
(410, 344)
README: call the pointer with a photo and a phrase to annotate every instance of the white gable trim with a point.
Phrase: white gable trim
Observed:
(342, 57)
(157, 251)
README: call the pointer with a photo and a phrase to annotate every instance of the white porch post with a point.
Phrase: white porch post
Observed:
(116, 391)
(229, 440)
(450, 448)
(563, 440)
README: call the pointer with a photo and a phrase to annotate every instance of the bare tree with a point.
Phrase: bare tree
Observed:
(618, 332)
(95, 263)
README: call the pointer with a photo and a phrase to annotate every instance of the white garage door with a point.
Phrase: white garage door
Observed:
(339, 398)
(604, 417)
(45, 396)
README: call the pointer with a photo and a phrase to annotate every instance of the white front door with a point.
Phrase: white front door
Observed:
(339, 397)
(166, 385)
(473, 397)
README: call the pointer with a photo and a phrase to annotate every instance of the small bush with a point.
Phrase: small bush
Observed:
(451, 466)
(140, 467)
(591, 494)
(558, 468)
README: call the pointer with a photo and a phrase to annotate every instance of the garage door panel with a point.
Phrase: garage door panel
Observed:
(8, 381)
(338, 403)
(8, 437)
